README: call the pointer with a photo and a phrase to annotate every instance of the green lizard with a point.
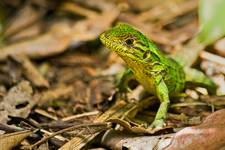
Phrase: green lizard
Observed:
(158, 74)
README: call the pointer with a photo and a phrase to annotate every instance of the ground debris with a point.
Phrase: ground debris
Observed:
(58, 82)
(21, 94)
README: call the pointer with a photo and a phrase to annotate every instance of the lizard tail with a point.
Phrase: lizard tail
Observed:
(189, 53)
(198, 78)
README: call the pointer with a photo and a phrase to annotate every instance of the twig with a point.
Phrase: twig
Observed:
(212, 57)
(76, 9)
(71, 118)
(188, 104)
(108, 125)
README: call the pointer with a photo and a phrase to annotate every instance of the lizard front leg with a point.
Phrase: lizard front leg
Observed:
(163, 95)
(123, 83)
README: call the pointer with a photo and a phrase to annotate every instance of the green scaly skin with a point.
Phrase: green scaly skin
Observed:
(158, 74)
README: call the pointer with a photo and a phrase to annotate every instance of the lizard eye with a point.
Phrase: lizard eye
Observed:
(129, 41)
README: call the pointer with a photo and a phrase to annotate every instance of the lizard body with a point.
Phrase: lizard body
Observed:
(157, 73)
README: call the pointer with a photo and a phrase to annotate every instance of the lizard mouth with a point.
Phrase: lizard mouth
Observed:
(110, 43)
(106, 40)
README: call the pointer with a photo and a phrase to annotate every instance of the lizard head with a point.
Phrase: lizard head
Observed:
(128, 42)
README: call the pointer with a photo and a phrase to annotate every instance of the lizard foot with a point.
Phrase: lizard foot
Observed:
(122, 92)
(157, 124)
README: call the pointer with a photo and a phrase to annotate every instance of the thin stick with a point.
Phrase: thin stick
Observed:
(212, 57)
(188, 104)
(71, 118)
(108, 125)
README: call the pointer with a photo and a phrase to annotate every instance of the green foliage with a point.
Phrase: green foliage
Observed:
(212, 20)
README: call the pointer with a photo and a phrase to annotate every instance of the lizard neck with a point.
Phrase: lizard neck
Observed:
(137, 65)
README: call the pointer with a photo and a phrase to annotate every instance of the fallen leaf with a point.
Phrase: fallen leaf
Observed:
(208, 135)
(53, 94)
(8, 141)
(20, 94)
(30, 71)
(220, 47)
(77, 143)
(61, 36)
(120, 140)
(83, 136)
(22, 19)
(76, 9)
(47, 44)
(27, 33)
(76, 60)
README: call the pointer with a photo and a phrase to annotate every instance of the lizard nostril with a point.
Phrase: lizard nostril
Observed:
(147, 54)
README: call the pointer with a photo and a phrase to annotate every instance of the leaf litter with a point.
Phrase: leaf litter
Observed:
(58, 84)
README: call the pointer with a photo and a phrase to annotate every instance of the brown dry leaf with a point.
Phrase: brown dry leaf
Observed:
(10, 73)
(47, 44)
(145, 4)
(52, 94)
(184, 33)
(95, 93)
(72, 74)
(20, 94)
(83, 115)
(212, 68)
(8, 141)
(220, 47)
(103, 5)
(30, 71)
(212, 57)
(43, 146)
(77, 59)
(214, 65)
(147, 28)
(114, 111)
(188, 60)
(214, 100)
(76, 9)
(46, 114)
(127, 117)
(6, 79)
(91, 28)
(119, 140)
(61, 36)
(124, 114)
(24, 18)
(156, 34)
(209, 135)
(29, 32)
(78, 142)
(220, 81)
(152, 21)
(165, 12)
(83, 136)
(81, 92)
